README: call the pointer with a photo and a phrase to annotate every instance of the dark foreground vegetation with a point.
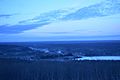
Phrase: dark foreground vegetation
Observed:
(57, 70)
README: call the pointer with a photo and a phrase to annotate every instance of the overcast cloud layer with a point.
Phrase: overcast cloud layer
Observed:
(98, 19)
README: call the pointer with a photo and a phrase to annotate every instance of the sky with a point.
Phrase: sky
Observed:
(59, 20)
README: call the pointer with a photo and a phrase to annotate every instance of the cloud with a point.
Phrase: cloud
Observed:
(56, 32)
(48, 16)
(106, 8)
(38, 21)
(13, 29)
(5, 15)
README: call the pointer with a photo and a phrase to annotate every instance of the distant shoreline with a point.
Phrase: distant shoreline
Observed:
(62, 41)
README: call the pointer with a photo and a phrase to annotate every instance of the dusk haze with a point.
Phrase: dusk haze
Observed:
(59, 39)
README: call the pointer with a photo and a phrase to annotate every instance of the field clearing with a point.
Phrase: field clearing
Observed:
(57, 70)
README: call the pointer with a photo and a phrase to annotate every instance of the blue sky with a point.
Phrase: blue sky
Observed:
(51, 20)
